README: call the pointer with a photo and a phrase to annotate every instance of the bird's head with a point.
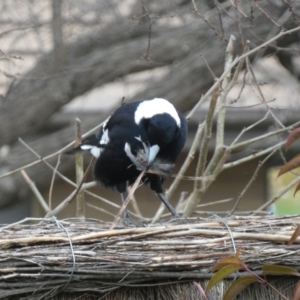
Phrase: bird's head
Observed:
(158, 121)
(160, 131)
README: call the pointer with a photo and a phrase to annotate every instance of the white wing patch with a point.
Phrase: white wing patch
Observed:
(96, 151)
(104, 139)
(148, 108)
(86, 147)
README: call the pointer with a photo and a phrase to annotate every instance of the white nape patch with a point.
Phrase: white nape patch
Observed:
(152, 153)
(148, 108)
(96, 151)
(104, 139)
(86, 147)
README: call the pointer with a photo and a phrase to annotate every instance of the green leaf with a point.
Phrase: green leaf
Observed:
(290, 165)
(294, 235)
(279, 270)
(292, 137)
(238, 286)
(221, 274)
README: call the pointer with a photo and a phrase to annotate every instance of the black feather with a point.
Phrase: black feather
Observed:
(143, 135)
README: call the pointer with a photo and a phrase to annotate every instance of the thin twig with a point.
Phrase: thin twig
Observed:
(36, 192)
(41, 159)
(252, 156)
(254, 176)
(187, 162)
(100, 209)
(71, 197)
(236, 60)
(199, 185)
(134, 187)
(264, 136)
(79, 170)
(222, 111)
(52, 182)
(245, 129)
(277, 196)
(135, 205)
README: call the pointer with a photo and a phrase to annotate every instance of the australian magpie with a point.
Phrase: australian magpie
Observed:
(141, 135)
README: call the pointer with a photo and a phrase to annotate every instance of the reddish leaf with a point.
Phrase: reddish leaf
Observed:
(294, 235)
(231, 260)
(279, 270)
(221, 274)
(238, 286)
(297, 292)
(199, 287)
(297, 189)
(290, 165)
(292, 137)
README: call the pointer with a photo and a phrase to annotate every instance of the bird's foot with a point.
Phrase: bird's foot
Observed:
(128, 221)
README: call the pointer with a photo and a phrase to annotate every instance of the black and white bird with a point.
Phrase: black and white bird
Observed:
(152, 129)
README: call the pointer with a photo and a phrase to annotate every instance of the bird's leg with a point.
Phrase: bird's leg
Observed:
(168, 205)
(127, 219)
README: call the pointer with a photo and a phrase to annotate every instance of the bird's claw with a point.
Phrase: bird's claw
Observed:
(128, 222)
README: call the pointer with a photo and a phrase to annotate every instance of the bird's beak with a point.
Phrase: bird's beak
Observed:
(152, 154)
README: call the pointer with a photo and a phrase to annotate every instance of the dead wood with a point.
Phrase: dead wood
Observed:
(42, 259)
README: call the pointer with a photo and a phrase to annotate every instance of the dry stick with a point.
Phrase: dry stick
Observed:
(195, 197)
(134, 187)
(254, 176)
(205, 141)
(113, 204)
(245, 129)
(227, 84)
(222, 112)
(22, 222)
(207, 22)
(135, 205)
(199, 205)
(203, 99)
(51, 155)
(35, 191)
(249, 106)
(236, 60)
(52, 182)
(215, 202)
(79, 171)
(224, 212)
(260, 93)
(264, 136)
(100, 209)
(176, 230)
(252, 156)
(182, 170)
(279, 194)
(215, 166)
(84, 187)
(48, 165)
(69, 199)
